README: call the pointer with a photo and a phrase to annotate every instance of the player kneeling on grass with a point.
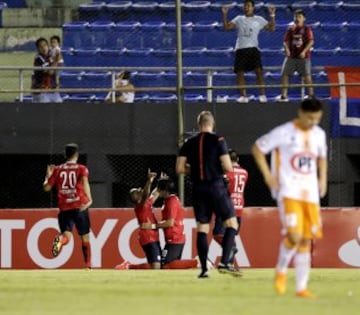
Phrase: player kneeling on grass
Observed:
(74, 198)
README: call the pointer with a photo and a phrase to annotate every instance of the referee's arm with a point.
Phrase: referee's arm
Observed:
(226, 163)
(181, 166)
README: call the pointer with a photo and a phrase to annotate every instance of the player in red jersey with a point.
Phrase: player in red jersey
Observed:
(173, 225)
(74, 198)
(236, 185)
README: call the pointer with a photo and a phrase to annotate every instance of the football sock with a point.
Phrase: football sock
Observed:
(286, 253)
(86, 249)
(181, 264)
(302, 270)
(140, 266)
(202, 248)
(227, 244)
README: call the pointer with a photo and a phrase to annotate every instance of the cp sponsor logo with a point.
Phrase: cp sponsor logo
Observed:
(303, 163)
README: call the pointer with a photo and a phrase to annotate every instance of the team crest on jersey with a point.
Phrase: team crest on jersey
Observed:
(304, 162)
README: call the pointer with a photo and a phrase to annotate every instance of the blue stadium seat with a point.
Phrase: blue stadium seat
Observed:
(16, 3)
(351, 40)
(146, 79)
(72, 79)
(126, 35)
(80, 97)
(223, 78)
(152, 34)
(169, 78)
(110, 57)
(118, 10)
(163, 97)
(143, 11)
(194, 56)
(219, 56)
(196, 78)
(84, 57)
(26, 99)
(166, 11)
(326, 56)
(331, 35)
(164, 57)
(141, 97)
(194, 9)
(169, 40)
(91, 11)
(272, 56)
(283, 9)
(332, 8)
(273, 39)
(321, 77)
(98, 79)
(308, 6)
(137, 57)
(194, 98)
(204, 33)
(348, 57)
(68, 57)
(100, 31)
(272, 78)
(76, 34)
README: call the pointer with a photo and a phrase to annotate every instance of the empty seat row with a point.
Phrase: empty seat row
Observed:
(133, 34)
(148, 10)
(197, 56)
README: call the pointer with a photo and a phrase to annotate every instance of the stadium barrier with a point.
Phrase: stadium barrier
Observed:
(26, 237)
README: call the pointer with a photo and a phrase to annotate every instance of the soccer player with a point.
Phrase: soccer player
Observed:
(247, 55)
(205, 157)
(173, 225)
(297, 179)
(236, 181)
(74, 198)
(148, 233)
(298, 41)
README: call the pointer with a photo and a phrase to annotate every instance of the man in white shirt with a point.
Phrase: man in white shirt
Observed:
(297, 179)
(248, 56)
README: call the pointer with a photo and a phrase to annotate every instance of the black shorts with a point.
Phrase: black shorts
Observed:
(247, 59)
(68, 218)
(152, 252)
(209, 197)
(219, 229)
(171, 252)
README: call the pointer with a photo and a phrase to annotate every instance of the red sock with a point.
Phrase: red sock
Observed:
(140, 266)
(181, 264)
(219, 238)
(86, 249)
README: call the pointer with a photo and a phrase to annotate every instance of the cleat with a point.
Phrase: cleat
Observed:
(209, 264)
(242, 99)
(231, 270)
(233, 252)
(280, 283)
(305, 294)
(281, 99)
(203, 274)
(123, 266)
(56, 247)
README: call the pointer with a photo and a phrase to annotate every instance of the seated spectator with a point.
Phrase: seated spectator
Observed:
(125, 92)
(46, 78)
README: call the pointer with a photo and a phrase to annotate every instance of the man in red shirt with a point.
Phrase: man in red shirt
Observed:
(74, 198)
(298, 41)
(236, 185)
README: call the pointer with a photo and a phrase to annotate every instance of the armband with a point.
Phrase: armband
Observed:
(153, 226)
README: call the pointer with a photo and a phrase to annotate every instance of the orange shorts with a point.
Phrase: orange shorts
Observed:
(301, 217)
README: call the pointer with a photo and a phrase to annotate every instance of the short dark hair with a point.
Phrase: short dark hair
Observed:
(300, 11)
(56, 38)
(39, 40)
(311, 105)
(233, 155)
(250, 1)
(126, 75)
(166, 184)
(71, 149)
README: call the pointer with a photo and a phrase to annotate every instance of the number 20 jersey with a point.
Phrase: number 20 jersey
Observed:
(67, 179)
(295, 154)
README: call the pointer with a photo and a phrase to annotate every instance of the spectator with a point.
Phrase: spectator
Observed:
(298, 41)
(248, 57)
(74, 199)
(46, 78)
(56, 55)
(125, 91)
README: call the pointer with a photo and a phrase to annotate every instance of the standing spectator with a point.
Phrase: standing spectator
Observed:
(236, 181)
(74, 199)
(298, 178)
(173, 225)
(205, 157)
(248, 57)
(298, 41)
(125, 91)
(46, 78)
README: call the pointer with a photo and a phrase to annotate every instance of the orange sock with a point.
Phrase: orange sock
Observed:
(181, 264)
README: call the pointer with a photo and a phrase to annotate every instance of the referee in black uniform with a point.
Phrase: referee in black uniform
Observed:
(205, 157)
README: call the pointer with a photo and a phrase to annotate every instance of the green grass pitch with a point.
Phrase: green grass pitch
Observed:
(172, 292)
